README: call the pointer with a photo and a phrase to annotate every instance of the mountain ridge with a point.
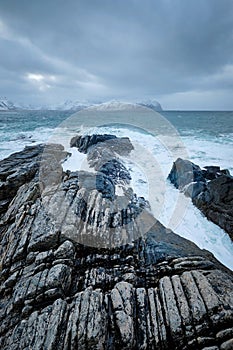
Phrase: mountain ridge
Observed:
(76, 105)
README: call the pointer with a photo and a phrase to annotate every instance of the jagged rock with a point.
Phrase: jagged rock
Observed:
(21, 167)
(82, 270)
(211, 190)
(99, 182)
(120, 145)
(84, 142)
(65, 251)
(103, 152)
(226, 333)
(193, 189)
(116, 171)
(184, 172)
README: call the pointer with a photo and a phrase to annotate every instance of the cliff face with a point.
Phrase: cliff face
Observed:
(85, 268)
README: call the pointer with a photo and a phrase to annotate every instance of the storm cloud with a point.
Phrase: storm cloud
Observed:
(177, 51)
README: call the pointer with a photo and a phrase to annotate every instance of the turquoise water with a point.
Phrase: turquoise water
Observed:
(213, 123)
(21, 128)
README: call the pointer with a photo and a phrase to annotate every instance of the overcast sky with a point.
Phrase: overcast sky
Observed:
(179, 52)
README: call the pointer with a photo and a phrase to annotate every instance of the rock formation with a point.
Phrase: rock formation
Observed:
(85, 268)
(210, 188)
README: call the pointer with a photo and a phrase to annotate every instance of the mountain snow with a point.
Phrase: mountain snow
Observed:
(151, 103)
(69, 105)
(109, 105)
(114, 106)
(6, 105)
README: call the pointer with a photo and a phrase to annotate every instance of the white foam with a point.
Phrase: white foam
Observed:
(16, 142)
(77, 161)
(193, 225)
(210, 152)
(149, 166)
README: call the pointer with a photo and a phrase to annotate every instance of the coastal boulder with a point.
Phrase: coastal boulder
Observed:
(211, 190)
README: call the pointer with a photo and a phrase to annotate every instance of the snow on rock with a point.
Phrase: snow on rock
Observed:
(151, 103)
(78, 105)
(70, 105)
(6, 105)
(116, 105)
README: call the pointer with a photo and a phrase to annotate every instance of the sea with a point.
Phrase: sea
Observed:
(204, 137)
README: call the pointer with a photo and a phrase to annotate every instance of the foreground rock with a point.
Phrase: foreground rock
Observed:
(84, 268)
(21, 167)
(211, 190)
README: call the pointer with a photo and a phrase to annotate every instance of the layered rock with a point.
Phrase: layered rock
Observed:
(210, 188)
(103, 152)
(21, 167)
(84, 268)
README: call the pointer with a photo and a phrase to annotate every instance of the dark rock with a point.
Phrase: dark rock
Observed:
(193, 189)
(211, 172)
(84, 142)
(99, 182)
(228, 345)
(21, 167)
(212, 168)
(82, 268)
(212, 191)
(116, 171)
(185, 172)
(226, 172)
(118, 145)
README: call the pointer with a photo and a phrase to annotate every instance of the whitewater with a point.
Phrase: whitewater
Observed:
(149, 164)
(168, 205)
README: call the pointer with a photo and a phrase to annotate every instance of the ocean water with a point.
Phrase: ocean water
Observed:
(206, 138)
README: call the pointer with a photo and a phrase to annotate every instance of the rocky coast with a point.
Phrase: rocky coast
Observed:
(84, 266)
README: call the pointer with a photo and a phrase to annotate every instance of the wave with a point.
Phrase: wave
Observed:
(149, 165)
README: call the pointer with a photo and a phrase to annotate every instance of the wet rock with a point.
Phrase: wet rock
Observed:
(65, 251)
(211, 190)
(21, 167)
(99, 182)
(81, 270)
(116, 171)
(84, 142)
(193, 189)
(118, 145)
(226, 333)
(184, 172)
(228, 345)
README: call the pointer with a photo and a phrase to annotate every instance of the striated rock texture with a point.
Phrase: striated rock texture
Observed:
(211, 190)
(84, 268)
(21, 167)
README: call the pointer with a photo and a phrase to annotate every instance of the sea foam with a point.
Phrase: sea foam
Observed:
(149, 165)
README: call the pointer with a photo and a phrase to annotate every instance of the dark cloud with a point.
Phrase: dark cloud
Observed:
(171, 50)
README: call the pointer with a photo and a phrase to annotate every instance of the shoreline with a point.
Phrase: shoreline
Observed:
(82, 265)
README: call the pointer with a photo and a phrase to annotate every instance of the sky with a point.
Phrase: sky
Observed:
(179, 52)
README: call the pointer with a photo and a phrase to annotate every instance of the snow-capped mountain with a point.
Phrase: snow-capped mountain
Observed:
(119, 105)
(6, 105)
(113, 106)
(151, 103)
(69, 105)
